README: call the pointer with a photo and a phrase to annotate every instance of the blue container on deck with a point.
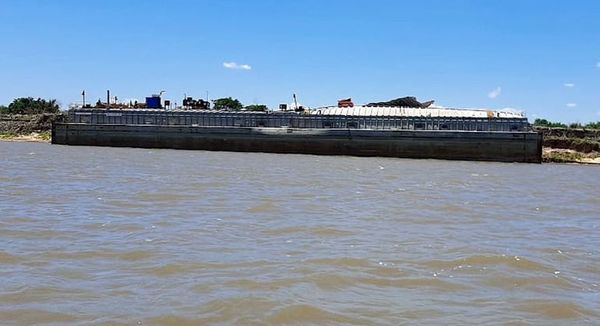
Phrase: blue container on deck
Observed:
(153, 102)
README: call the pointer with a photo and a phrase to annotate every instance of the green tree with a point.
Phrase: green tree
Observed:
(29, 105)
(257, 107)
(227, 103)
(3, 109)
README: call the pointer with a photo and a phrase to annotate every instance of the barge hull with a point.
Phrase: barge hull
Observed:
(452, 145)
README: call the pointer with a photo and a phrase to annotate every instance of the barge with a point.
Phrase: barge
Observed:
(438, 133)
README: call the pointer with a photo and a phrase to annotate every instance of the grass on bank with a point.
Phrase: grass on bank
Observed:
(45, 136)
(557, 155)
(562, 156)
(8, 135)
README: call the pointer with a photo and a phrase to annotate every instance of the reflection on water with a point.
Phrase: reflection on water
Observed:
(161, 237)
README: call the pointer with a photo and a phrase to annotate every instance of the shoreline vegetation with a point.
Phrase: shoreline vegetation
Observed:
(30, 120)
(37, 137)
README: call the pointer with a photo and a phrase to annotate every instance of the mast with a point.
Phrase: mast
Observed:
(295, 103)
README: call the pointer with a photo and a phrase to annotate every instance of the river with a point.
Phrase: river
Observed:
(121, 236)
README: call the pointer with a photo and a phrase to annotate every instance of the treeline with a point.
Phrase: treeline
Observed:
(29, 105)
(575, 125)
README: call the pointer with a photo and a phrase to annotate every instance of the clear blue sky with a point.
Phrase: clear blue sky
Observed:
(539, 56)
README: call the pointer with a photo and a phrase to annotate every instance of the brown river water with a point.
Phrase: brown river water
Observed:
(121, 236)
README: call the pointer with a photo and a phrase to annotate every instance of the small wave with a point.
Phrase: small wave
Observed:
(32, 234)
(16, 220)
(515, 262)
(184, 267)
(266, 206)
(329, 232)
(164, 197)
(6, 258)
(318, 231)
(454, 209)
(414, 283)
(36, 317)
(27, 295)
(541, 281)
(383, 271)
(135, 255)
(340, 262)
(556, 309)
(124, 227)
(303, 313)
(123, 203)
(171, 320)
(330, 281)
(272, 285)
(284, 231)
(174, 269)
(237, 310)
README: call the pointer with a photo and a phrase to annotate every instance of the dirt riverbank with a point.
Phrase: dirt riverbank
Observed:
(566, 145)
(27, 127)
(26, 124)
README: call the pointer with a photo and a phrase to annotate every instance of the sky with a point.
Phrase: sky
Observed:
(541, 57)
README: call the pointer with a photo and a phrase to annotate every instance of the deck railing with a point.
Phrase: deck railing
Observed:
(291, 120)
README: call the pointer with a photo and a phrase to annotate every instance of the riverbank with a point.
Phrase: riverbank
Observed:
(28, 127)
(24, 124)
(559, 155)
(569, 145)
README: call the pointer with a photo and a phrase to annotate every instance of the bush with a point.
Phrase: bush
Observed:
(257, 107)
(575, 125)
(593, 125)
(29, 105)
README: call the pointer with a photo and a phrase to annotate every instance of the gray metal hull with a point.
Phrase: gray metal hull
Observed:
(436, 144)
